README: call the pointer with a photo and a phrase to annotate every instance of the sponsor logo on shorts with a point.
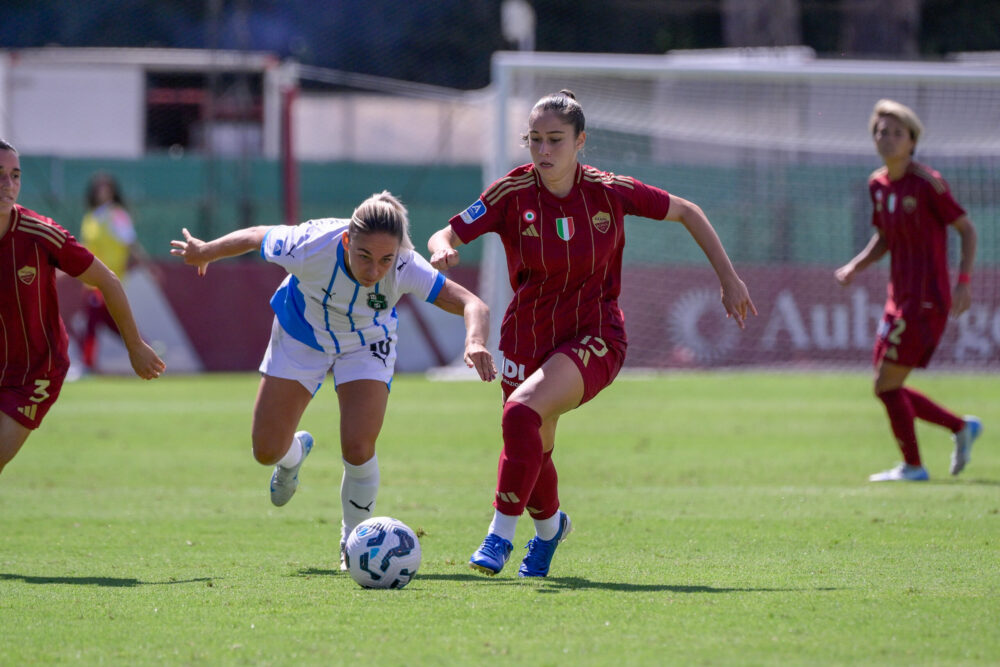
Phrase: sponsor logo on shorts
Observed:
(26, 274)
(474, 212)
(513, 372)
(28, 411)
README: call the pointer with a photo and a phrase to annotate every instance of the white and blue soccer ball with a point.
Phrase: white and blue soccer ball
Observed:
(382, 552)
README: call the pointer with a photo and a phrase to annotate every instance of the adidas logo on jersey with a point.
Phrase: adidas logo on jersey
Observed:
(529, 231)
(28, 411)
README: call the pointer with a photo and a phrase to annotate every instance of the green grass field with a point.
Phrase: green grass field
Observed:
(720, 519)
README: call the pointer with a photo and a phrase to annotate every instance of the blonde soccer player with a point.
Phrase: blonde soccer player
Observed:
(336, 312)
(912, 209)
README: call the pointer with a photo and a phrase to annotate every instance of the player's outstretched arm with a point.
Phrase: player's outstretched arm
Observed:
(873, 252)
(145, 362)
(442, 246)
(735, 296)
(196, 252)
(455, 299)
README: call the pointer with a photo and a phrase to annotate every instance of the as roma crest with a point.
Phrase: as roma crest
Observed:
(26, 274)
(602, 222)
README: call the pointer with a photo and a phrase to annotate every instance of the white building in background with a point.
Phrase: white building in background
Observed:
(127, 103)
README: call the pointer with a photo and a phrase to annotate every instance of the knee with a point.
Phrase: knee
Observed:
(518, 415)
(267, 448)
(357, 452)
(883, 387)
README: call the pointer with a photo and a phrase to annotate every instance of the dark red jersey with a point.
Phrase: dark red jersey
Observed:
(33, 338)
(564, 255)
(913, 215)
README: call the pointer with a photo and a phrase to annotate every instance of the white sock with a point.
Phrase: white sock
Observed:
(358, 489)
(293, 455)
(546, 529)
(504, 525)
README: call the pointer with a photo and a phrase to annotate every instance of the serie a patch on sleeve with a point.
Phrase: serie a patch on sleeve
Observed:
(474, 212)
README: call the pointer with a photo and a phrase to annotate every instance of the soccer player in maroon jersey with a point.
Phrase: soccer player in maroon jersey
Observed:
(563, 335)
(913, 208)
(33, 338)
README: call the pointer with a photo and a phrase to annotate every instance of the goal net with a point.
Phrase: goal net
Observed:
(774, 146)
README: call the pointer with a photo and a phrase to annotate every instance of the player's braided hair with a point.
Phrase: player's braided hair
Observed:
(563, 103)
(382, 212)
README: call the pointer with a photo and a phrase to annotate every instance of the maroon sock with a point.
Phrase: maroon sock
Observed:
(900, 411)
(521, 459)
(926, 409)
(544, 500)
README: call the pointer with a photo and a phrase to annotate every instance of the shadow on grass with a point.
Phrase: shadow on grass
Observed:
(970, 482)
(315, 572)
(554, 584)
(557, 584)
(110, 582)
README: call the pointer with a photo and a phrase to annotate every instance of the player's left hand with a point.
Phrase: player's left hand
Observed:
(961, 299)
(478, 357)
(736, 301)
(145, 362)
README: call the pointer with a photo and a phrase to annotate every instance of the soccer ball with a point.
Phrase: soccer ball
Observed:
(382, 552)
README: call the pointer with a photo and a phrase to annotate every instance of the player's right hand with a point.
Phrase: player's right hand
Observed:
(479, 358)
(444, 259)
(845, 274)
(191, 251)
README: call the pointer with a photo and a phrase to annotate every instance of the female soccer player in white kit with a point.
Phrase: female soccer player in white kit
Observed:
(335, 311)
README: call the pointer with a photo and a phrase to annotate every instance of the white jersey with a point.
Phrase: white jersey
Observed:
(321, 305)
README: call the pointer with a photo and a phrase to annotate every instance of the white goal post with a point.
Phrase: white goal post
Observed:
(774, 145)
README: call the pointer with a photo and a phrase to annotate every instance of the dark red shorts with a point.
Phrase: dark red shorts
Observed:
(599, 362)
(29, 403)
(908, 340)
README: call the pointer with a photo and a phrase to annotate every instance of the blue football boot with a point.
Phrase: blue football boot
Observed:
(536, 562)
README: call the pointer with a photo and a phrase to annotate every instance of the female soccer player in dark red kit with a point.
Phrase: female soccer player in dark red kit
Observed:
(563, 335)
(32, 334)
(913, 208)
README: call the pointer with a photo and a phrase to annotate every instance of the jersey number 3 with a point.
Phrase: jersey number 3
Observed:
(41, 393)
